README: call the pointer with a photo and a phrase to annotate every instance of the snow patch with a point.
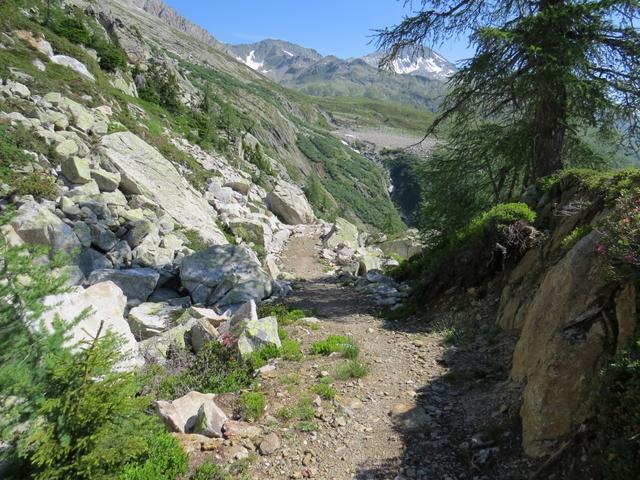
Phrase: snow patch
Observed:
(288, 53)
(253, 63)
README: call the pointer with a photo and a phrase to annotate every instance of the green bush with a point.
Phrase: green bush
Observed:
(357, 186)
(620, 242)
(38, 184)
(480, 232)
(195, 241)
(73, 30)
(281, 312)
(618, 442)
(336, 343)
(302, 411)
(351, 369)
(165, 460)
(257, 158)
(112, 57)
(13, 159)
(325, 390)
(216, 369)
(210, 471)
(290, 350)
(252, 405)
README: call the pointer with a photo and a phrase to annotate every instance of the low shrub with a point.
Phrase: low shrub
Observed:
(325, 390)
(290, 350)
(336, 343)
(252, 405)
(302, 411)
(618, 441)
(216, 369)
(38, 184)
(281, 312)
(210, 471)
(164, 460)
(351, 369)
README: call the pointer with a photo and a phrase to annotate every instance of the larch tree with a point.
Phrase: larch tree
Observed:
(545, 74)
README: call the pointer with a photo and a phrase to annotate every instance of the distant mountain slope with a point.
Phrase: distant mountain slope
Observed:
(415, 79)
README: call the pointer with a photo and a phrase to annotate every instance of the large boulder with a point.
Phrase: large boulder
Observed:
(224, 275)
(344, 233)
(37, 225)
(106, 304)
(146, 172)
(566, 338)
(289, 204)
(193, 411)
(73, 64)
(136, 283)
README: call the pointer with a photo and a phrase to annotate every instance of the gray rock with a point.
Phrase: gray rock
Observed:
(202, 333)
(248, 230)
(19, 90)
(224, 275)
(139, 231)
(89, 260)
(102, 237)
(83, 232)
(269, 444)
(151, 319)
(210, 420)
(256, 334)
(290, 205)
(343, 232)
(73, 64)
(136, 283)
(181, 415)
(69, 208)
(38, 225)
(107, 181)
(120, 254)
(67, 148)
(164, 295)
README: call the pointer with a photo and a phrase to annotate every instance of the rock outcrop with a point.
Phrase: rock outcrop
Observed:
(144, 171)
(571, 319)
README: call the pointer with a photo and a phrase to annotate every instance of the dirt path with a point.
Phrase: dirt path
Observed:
(405, 419)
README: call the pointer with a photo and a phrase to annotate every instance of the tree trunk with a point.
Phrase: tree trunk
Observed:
(551, 105)
(550, 129)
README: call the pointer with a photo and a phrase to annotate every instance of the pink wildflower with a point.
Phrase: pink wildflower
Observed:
(601, 248)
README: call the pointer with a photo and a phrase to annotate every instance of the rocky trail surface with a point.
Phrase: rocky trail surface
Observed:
(408, 418)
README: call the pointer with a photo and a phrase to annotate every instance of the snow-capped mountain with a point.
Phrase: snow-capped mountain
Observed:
(420, 61)
(412, 78)
(277, 59)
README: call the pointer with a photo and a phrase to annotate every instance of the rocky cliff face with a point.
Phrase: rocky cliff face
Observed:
(571, 318)
(168, 15)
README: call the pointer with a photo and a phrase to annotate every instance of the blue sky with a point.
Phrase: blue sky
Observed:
(332, 27)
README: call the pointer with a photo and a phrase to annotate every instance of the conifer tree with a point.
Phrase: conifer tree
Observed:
(543, 73)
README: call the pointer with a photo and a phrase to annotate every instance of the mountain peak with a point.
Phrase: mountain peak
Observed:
(419, 61)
